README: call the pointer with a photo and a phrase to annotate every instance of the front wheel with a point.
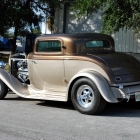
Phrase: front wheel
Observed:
(3, 89)
(86, 97)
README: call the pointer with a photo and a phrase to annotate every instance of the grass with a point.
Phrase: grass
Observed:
(6, 68)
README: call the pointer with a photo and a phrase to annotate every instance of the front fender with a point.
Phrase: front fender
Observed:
(13, 83)
(100, 82)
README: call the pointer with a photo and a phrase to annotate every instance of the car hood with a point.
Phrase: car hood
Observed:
(120, 63)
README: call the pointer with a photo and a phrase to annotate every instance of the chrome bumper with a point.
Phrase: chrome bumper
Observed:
(122, 92)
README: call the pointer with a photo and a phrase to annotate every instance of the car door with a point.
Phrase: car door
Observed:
(48, 66)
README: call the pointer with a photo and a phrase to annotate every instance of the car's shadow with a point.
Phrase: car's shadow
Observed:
(57, 104)
(123, 109)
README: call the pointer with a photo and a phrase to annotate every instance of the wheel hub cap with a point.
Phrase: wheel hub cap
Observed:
(85, 96)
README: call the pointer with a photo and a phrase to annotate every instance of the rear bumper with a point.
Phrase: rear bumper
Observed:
(125, 92)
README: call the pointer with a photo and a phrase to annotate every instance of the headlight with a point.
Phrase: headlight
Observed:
(2, 64)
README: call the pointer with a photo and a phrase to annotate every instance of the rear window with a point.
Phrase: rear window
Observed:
(98, 44)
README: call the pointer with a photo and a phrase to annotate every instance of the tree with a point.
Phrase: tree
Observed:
(117, 14)
(36, 30)
(50, 23)
(24, 15)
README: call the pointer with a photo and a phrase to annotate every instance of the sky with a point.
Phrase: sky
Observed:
(44, 29)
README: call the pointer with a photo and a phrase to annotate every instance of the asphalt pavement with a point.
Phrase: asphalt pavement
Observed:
(24, 119)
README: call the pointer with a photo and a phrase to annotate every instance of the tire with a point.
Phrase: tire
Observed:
(3, 89)
(86, 97)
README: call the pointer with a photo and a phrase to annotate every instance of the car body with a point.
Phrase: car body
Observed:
(82, 67)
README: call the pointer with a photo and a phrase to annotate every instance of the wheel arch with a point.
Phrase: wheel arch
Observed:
(100, 81)
(71, 85)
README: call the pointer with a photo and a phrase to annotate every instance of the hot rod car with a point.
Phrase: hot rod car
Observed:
(83, 68)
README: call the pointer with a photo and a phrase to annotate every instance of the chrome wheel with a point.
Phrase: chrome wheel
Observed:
(85, 96)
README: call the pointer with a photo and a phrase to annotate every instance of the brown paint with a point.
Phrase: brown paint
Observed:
(75, 47)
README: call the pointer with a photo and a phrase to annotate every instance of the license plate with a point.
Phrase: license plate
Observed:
(137, 96)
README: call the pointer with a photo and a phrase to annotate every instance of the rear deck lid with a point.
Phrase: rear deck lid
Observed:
(120, 63)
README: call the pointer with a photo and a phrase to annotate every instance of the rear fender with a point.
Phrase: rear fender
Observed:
(101, 83)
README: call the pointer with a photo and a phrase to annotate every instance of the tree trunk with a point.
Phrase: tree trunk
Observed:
(14, 46)
(52, 14)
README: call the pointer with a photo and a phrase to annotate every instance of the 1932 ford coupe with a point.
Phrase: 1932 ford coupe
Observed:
(83, 68)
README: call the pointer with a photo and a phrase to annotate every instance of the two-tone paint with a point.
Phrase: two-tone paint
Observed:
(53, 74)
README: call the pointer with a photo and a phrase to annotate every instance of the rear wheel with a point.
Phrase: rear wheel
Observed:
(3, 89)
(86, 97)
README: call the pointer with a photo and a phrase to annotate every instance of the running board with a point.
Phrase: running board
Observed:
(28, 91)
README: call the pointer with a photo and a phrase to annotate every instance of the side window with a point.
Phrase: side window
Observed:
(48, 46)
(97, 43)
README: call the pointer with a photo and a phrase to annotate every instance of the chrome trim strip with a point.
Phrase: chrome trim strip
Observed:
(125, 84)
(17, 59)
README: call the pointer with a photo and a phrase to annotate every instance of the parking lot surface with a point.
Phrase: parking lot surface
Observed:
(24, 119)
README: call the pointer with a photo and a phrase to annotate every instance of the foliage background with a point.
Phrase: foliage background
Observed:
(117, 14)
